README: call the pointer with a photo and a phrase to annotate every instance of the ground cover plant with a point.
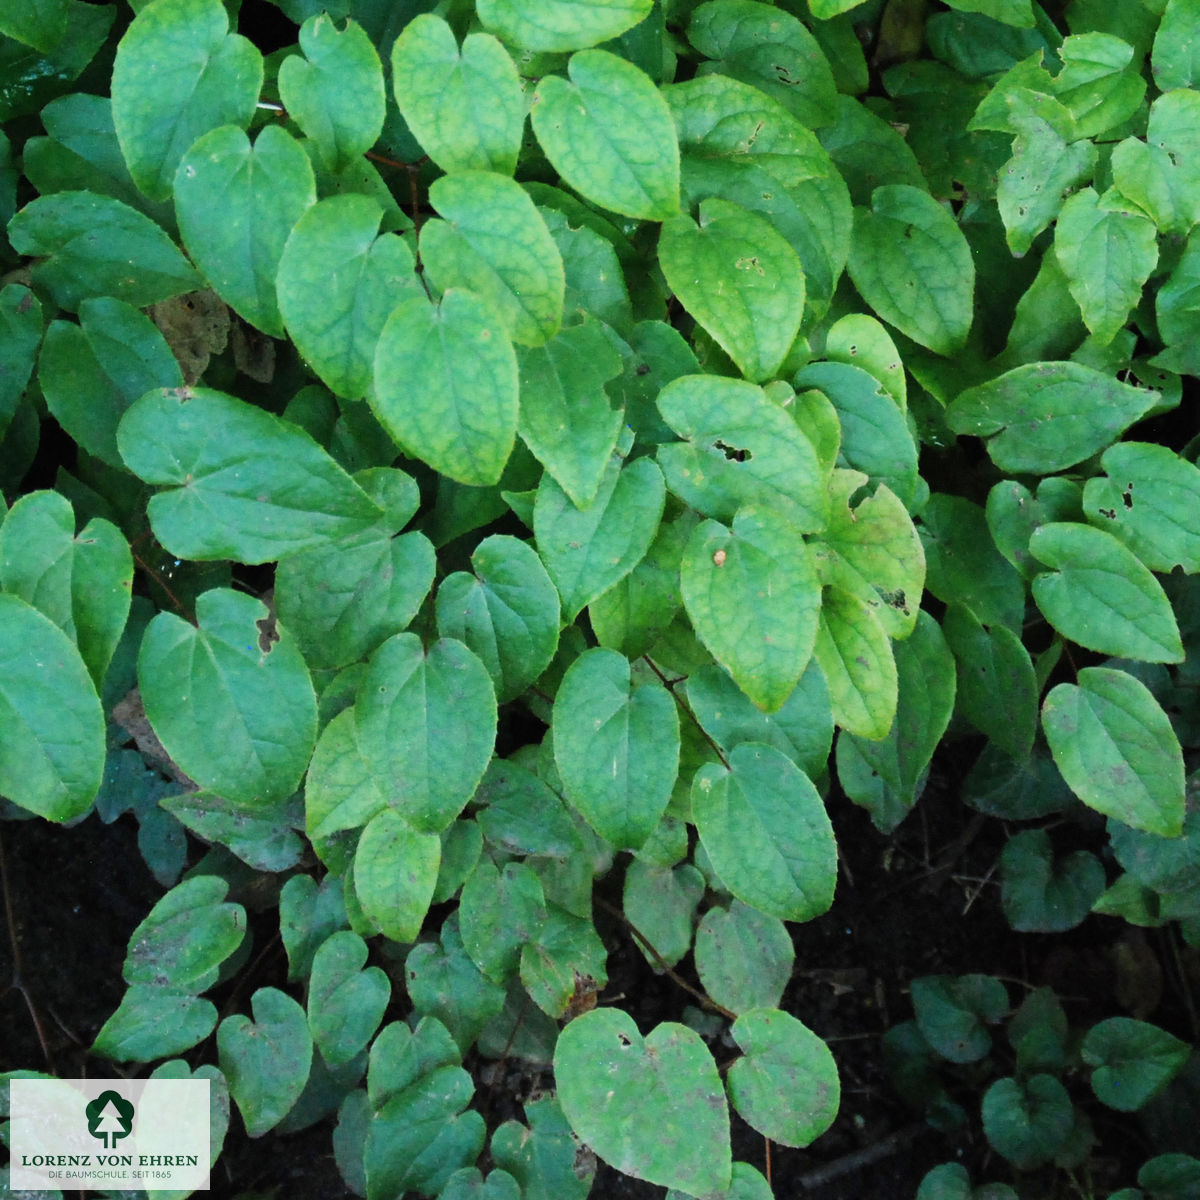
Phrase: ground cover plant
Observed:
(484, 479)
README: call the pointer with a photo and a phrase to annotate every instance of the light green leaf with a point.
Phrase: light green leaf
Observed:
(340, 791)
(566, 418)
(1175, 58)
(566, 951)
(92, 372)
(1046, 416)
(335, 92)
(1099, 595)
(886, 776)
(244, 484)
(493, 241)
(1043, 170)
(752, 594)
(1132, 1061)
(740, 448)
(338, 283)
(464, 107)
(345, 1002)
(456, 355)
(1107, 251)
(786, 1083)
(267, 1060)
(82, 582)
(1160, 174)
(395, 870)
(561, 24)
(1116, 749)
(91, 245)
(744, 957)
(507, 613)
(616, 746)
(186, 937)
(652, 1108)
(855, 655)
(1148, 499)
(52, 755)
(178, 73)
(770, 49)
(765, 829)
(661, 904)
(872, 550)
(588, 550)
(911, 263)
(629, 166)
(741, 281)
(236, 205)
(499, 912)
(802, 729)
(249, 724)
(426, 724)
(861, 341)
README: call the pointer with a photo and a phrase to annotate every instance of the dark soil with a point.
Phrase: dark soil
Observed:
(921, 901)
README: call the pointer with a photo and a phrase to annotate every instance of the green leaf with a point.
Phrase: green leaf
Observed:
(335, 92)
(337, 285)
(616, 745)
(236, 204)
(542, 1154)
(854, 653)
(444, 982)
(345, 1002)
(464, 107)
(1041, 894)
(652, 1108)
(887, 776)
(744, 957)
(770, 49)
(765, 829)
(178, 73)
(911, 263)
(91, 245)
(991, 661)
(426, 723)
(155, 1022)
(802, 729)
(561, 24)
(1159, 174)
(740, 280)
(500, 911)
(583, 124)
(457, 356)
(1147, 499)
(267, 1060)
(244, 484)
(507, 613)
(1099, 595)
(20, 335)
(1116, 749)
(1160, 864)
(588, 550)
(1175, 58)
(565, 415)
(341, 792)
(469, 1184)
(521, 815)
(565, 952)
(37, 23)
(1010, 12)
(953, 1012)
(249, 725)
(1107, 251)
(263, 839)
(661, 904)
(786, 1083)
(91, 373)
(52, 757)
(1028, 1121)
(185, 938)
(752, 594)
(740, 447)
(1132, 1061)
(82, 582)
(1046, 416)
(493, 241)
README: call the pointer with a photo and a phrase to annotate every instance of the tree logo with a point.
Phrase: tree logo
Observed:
(109, 1118)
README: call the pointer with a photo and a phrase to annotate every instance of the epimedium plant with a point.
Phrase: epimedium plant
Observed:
(747, 393)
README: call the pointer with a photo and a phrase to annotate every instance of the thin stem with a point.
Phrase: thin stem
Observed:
(669, 684)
